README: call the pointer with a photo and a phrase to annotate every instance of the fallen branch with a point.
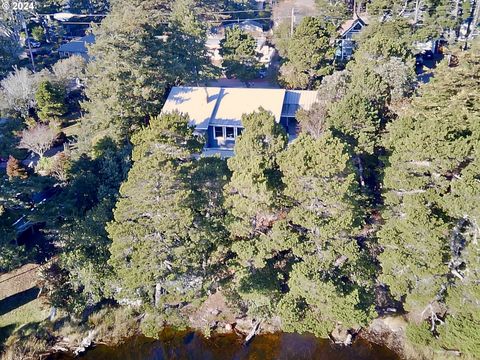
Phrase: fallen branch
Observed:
(253, 332)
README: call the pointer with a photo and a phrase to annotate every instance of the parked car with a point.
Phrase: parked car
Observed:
(427, 55)
(418, 60)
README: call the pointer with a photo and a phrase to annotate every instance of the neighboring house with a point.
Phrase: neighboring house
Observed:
(216, 112)
(432, 45)
(250, 26)
(347, 31)
(265, 52)
(77, 47)
(213, 47)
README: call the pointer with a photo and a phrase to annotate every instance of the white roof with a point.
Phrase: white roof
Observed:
(194, 102)
(234, 102)
(225, 106)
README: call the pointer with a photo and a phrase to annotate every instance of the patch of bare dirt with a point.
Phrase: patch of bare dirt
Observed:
(388, 331)
(214, 313)
(18, 280)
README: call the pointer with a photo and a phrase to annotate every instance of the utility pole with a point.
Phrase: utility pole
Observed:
(292, 21)
(473, 21)
(27, 38)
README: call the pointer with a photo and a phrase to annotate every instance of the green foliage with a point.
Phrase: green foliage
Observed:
(321, 186)
(419, 334)
(87, 205)
(253, 200)
(360, 114)
(38, 33)
(253, 195)
(135, 62)
(50, 99)
(430, 18)
(308, 54)
(11, 255)
(9, 53)
(165, 222)
(238, 50)
(385, 39)
(428, 236)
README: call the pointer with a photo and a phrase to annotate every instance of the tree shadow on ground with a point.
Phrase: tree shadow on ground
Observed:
(19, 299)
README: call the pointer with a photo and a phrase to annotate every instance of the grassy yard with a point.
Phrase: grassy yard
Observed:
(32, 312)
(19, 304)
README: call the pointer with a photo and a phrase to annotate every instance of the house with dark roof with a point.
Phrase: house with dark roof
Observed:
(347, 33)
(216, 112)
(77, 47)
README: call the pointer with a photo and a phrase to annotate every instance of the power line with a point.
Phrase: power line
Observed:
(198, 13)
(207, 21)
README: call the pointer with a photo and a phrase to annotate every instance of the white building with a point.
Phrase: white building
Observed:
(216, 112)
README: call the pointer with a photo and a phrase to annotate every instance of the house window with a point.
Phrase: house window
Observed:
(239, 131)
(218, 132)
(230, 132)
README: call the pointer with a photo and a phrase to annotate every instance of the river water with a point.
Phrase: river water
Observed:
(192, 346)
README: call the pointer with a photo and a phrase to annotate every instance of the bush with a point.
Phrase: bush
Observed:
(115, 324)
(419, 334)
(38, 33)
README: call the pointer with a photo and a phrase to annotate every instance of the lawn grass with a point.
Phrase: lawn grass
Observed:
(32, 312)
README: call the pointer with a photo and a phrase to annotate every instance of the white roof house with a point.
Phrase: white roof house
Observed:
(197, 102)
(217, 112)
(213, 105)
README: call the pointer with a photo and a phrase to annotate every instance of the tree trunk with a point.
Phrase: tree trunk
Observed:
(360, 170)
(158, 294)
(417, 11)
(405, 4)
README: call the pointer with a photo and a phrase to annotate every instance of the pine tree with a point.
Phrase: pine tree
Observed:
(385, 40)
(238, 50)
(136, 61)
(329, 282)
(309, 54)
(50, 99)
(429, 189)
(166, 226)
(253, 199)
(254, 192)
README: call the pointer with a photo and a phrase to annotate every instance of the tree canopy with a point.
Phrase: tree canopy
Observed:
(308, 54)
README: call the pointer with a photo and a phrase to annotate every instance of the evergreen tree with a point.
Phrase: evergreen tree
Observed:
(166, 223)
(11, 254)
(50, 100)
(309, 54)
(253, 199)
(330, 281)
(384, 40)
(254, 192)
(135, 61)
(434, 153)
(238, 50)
